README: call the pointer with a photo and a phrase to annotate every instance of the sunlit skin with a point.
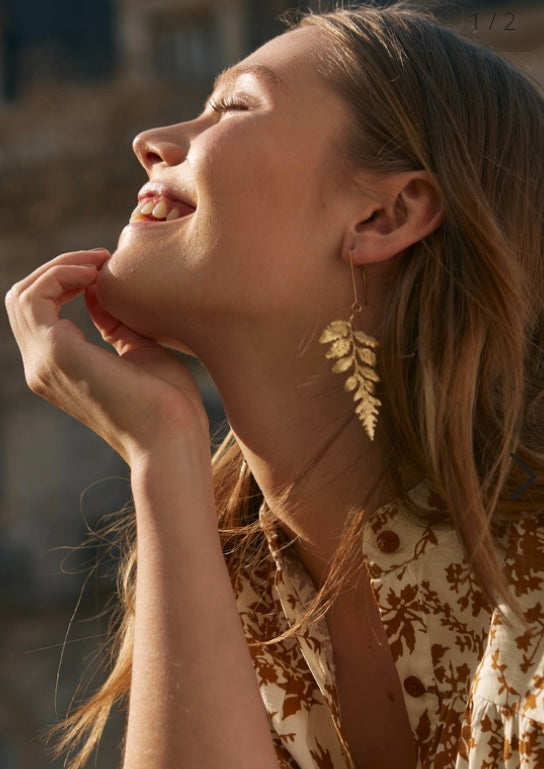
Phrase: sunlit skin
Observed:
(249, 280)
(262, 182)
(246, 282)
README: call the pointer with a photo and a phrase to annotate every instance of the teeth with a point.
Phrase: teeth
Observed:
(159, 209)
(137, 216)
(174, 214)
(148, 207)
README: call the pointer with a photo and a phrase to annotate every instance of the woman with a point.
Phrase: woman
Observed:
(349, 237)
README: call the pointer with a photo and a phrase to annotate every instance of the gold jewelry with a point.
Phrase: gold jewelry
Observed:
(355, 348)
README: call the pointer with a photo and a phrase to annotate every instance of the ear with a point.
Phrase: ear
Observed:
(404, 209)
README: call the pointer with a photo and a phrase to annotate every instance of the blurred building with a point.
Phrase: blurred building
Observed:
(77, 82)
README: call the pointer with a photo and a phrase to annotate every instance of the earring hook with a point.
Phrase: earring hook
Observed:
(356, 306)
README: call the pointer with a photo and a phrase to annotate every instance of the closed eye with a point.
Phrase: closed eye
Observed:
(226, 104)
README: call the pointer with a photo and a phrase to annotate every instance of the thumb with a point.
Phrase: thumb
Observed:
(112, 330)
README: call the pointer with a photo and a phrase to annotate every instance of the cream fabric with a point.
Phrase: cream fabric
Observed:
(474, 690)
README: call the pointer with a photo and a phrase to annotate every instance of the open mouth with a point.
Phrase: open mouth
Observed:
(160, 209)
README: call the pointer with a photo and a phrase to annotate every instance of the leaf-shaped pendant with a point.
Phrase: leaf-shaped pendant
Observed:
(339, 348)
(354, 348)
(335, 330)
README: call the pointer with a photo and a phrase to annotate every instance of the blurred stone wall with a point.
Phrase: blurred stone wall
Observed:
(68, 180)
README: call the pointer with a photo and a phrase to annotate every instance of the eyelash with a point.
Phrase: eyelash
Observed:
(225, 104)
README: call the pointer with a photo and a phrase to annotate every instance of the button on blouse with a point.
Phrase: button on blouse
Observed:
(474, 687)
(388, 541)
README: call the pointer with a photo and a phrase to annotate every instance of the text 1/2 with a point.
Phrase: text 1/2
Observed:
(506, 28)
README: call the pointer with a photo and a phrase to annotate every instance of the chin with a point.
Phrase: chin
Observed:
(111, 290)
(129, 304)
(121, 297)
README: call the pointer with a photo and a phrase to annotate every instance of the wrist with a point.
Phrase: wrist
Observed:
(174, 475)
(167, 443)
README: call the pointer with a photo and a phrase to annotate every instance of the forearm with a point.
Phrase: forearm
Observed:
(194, 702)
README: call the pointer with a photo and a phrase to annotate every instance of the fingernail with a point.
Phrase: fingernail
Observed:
(100, 248)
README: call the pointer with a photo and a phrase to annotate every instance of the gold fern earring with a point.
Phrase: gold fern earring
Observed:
(355, 348)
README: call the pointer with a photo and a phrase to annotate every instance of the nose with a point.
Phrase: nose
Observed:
(160, 145)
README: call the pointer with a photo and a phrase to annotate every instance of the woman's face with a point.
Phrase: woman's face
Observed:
(267, 212)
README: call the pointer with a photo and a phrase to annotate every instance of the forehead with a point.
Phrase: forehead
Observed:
(292, 54)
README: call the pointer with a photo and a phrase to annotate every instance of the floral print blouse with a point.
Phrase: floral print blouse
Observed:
(473, 688)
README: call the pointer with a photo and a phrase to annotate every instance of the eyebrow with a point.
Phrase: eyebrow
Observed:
(229, 75)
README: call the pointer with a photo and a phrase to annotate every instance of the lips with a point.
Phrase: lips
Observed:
(160, 204)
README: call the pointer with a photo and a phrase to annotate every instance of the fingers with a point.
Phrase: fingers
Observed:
(37, 297)
(94, 256)
(33, 307)
(111, 329)
(39, 302)
(121, 397)
(104, 322)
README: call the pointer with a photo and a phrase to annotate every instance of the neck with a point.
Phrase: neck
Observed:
(281, 419)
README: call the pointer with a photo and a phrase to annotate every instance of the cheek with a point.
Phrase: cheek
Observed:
(249, 233)
(243, 174)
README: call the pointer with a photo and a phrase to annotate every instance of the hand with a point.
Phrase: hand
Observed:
(133, 400)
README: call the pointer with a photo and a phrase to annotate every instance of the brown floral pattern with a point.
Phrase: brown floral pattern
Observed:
(473, 679)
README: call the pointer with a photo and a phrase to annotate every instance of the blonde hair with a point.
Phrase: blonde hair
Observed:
(469, 298)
